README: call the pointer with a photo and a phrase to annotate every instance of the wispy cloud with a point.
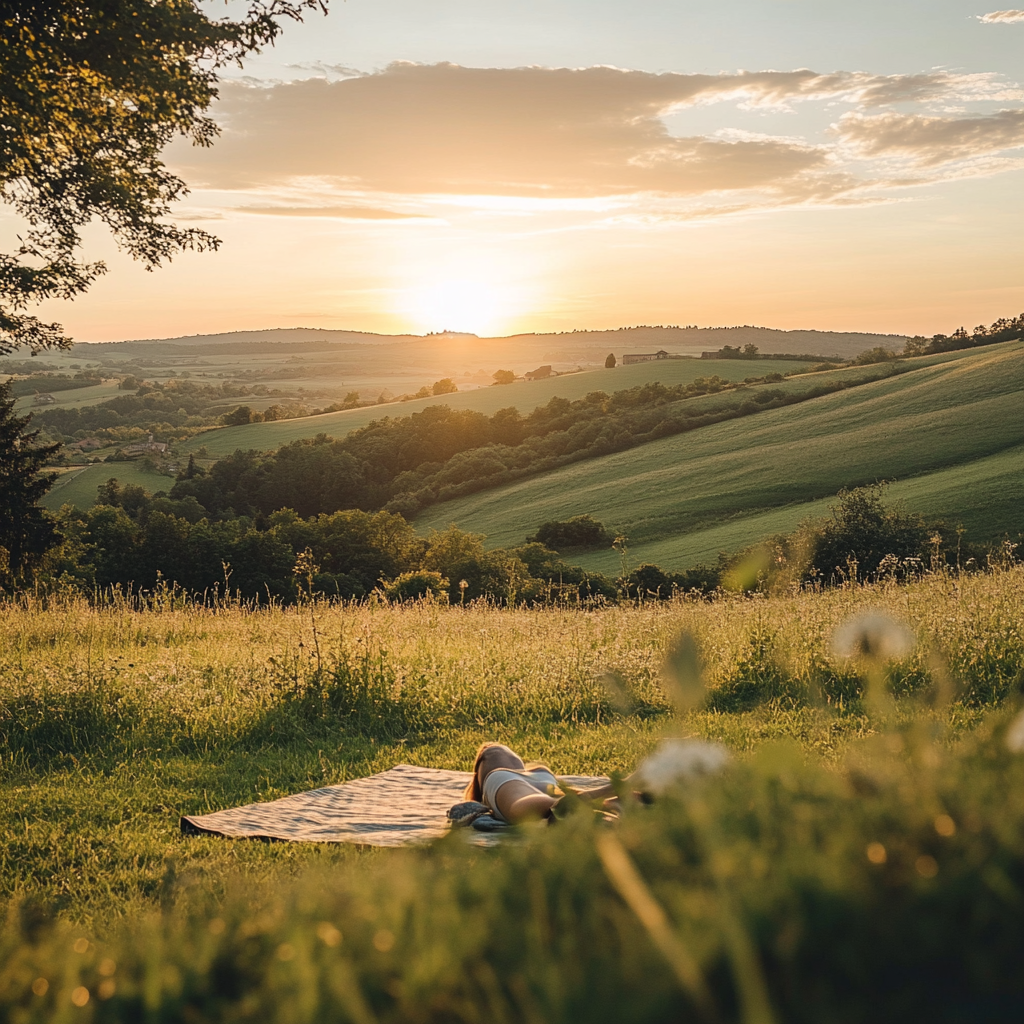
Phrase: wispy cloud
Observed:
(1001, 17)
(334, 212)
(930, 141)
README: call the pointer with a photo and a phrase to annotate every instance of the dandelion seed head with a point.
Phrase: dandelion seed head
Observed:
(1015, 735)
(675, 761)
(874, 636)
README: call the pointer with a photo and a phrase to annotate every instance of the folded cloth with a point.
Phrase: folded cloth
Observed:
(404, 806)
(467, 812)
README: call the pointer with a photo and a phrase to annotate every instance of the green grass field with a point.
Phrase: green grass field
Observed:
(115, 720)
(524, 395)
(950, 431)
(77, 398)
(78, 486)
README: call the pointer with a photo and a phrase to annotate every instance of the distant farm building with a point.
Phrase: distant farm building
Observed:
(539, 374)
(149, 447)
(44, 400)
(643, 357)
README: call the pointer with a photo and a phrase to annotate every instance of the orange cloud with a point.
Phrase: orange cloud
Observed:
(1001, 17)
(528, 131)
(323, 148)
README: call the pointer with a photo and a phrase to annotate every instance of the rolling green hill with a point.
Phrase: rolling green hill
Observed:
(524, 395)
(78, 486)
(951, 431)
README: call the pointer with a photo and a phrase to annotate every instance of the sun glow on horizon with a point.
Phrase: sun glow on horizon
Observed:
(475, 302)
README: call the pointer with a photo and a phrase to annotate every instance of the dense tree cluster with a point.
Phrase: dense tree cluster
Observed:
(405, 464)
(576, 533)
(135, 540)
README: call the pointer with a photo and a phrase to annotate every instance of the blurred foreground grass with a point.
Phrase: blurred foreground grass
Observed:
(838, 870)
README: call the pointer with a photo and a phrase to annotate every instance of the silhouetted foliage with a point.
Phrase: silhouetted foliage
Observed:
(26, 532)
(1002, 330)
(90, 95)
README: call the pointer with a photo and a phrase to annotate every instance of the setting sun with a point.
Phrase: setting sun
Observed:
(467, 302)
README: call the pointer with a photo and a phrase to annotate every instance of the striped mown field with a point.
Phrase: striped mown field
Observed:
(950, 432)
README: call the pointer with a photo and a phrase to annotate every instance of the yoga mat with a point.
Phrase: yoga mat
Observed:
(404, 806)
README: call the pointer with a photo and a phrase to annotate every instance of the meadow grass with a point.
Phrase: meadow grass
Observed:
(117, 719)
(940, 417)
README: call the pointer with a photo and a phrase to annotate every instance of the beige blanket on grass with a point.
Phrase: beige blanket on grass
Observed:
(404, 806)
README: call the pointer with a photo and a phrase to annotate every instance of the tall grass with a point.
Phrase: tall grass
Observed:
(83, 681)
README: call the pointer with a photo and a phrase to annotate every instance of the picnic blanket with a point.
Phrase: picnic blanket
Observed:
(403, 806)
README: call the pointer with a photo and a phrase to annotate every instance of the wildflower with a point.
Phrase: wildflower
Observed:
(1015, 735)
(874, 636)
(676, 761)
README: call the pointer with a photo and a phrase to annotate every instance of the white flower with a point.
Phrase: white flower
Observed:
(677, 761)
(873, 635)
(1015, 735)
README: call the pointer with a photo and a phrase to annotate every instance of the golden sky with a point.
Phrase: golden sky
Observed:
(424, 166)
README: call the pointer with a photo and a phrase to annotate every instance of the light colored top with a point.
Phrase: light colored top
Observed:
(539, 778)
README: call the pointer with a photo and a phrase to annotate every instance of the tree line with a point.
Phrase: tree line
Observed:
(405, 464)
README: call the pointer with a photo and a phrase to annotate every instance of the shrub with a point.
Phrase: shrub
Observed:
(410, 586)
(861, 531)
(579, 532)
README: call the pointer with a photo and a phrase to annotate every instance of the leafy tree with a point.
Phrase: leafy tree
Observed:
(609, 363)
(238, 417)
(504, 377)
(26, 533)
(91, 93)
(446, 386)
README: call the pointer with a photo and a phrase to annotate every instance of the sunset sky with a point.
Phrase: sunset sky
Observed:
(419, 165)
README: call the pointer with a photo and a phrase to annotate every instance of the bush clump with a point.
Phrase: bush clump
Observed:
(578, 533)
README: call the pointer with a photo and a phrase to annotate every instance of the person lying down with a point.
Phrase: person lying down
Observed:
(505, 790)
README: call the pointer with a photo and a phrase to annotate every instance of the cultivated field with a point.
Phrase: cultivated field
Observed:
(950, 431)
(116, 720)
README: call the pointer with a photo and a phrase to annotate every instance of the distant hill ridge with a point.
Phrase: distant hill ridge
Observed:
(686, 340)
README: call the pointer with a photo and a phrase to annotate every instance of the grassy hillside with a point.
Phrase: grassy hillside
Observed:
(75, 399)
(950, 430)
(524, 395)
(78, 487)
